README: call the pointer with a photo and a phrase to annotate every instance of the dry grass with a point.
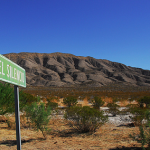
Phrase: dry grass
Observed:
(62, 137)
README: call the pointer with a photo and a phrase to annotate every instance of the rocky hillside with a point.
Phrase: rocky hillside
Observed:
(58, 69)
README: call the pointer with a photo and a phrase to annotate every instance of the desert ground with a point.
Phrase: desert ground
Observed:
(110, 136)
(113, 135)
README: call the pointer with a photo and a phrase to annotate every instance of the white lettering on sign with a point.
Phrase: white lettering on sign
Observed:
(20, 76)
(15, 74)
(11, 72)
(8, 71)
(1, 68)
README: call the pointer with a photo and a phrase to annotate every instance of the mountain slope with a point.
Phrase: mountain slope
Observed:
(58, 69)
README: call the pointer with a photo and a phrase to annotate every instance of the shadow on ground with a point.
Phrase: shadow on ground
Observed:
(129, 148)
(69, 133)
(14, 142)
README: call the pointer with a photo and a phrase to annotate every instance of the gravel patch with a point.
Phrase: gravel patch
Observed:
(118, 119)
(115, 120)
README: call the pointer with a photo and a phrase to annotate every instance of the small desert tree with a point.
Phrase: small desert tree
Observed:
(97, 102)
(39, 116)
(51, 103)
(7, 102)
(113, 107)
(26, 99)
(144, 136)
(70, 101)
(138, 110)
(85, 119)
(144, 100)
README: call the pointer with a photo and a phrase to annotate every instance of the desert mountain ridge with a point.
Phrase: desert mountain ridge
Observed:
(61, 69)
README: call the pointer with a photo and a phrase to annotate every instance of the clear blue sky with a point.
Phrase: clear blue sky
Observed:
(116, 30)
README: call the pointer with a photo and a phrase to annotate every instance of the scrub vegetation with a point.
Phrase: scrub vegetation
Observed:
(85, 119)
(39, 116)
(39, 107)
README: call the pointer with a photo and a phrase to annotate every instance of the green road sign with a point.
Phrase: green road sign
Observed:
(11, 72)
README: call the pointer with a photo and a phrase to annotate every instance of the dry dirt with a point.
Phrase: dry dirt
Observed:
(61, 137)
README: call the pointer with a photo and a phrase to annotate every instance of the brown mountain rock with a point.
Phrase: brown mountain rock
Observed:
(58, 69)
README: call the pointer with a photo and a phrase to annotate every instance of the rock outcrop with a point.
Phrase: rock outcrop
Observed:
(58, 69)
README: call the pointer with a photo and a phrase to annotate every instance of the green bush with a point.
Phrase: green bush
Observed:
(138, 111)
(97, 102)
(144, 136)
(144, 100)
(39, 116)
(26, 99)
(7, 100)
(70, 101)
(113, 108)
(138, 114)
(85, 119)
(52, 104)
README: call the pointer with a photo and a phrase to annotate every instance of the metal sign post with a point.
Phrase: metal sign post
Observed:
(17, 115)
(14, 74)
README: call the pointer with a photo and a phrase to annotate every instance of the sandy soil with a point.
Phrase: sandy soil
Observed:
(61, 137)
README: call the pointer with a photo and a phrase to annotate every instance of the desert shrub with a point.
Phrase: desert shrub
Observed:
(39, 116)
(113, 108)
(7, 102)
(144, 136)
(70, 101)
(138, 115)
(52, 104)
(26, 99)
(85, 119)
(138, 112)
(144, 100)
(97, 102)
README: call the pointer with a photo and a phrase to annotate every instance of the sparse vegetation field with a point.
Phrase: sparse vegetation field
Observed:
(69, 133)
(62, 137)
(107, 93)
